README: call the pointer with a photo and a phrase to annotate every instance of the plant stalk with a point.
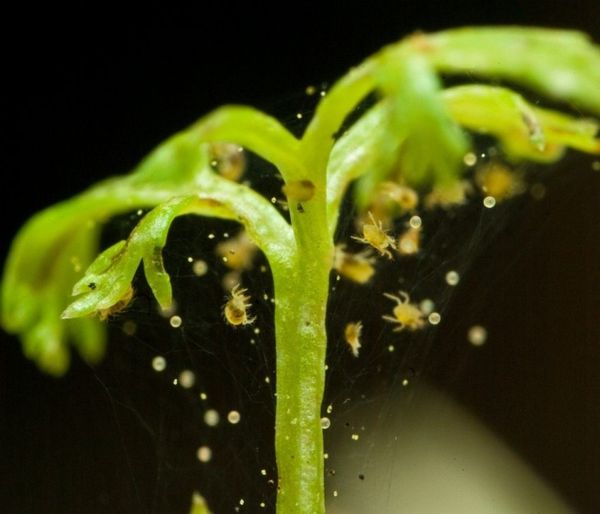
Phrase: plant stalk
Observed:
(301, 345)
(301, 340)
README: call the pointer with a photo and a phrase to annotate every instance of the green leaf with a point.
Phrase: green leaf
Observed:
(175, 161)
(255, 131)
(357, 154)
(332, 110)
(107, 281)
(47, 257)
(106, 284)
(562, 65)
(525, 131)
(420, 143)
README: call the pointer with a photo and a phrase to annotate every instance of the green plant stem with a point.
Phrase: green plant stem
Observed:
(301, 344)
(301, 300)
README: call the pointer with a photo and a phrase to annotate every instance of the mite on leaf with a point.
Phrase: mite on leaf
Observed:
(104, 314)
(228, 160)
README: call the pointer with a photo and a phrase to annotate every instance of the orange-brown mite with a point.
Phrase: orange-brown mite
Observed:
(236, 308)
(121, 305)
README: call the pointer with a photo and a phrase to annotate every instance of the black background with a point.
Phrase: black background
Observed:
(91, 90)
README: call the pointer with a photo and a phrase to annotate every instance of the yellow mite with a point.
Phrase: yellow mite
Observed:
(238, 252)
(405, 197)
(376, 236)
(299, 190)
(498, 181)
(228, 160)
(391, 199)
(448, 195)
(406, 315)
(409, 242)
(236, 308)
(352, 334)
(357, 267)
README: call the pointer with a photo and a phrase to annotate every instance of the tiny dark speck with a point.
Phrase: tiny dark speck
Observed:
(361, 477)
(92, 285)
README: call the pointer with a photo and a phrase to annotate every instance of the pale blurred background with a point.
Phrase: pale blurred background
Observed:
(422, 453)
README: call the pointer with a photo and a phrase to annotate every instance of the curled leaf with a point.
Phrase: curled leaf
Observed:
(106, 284)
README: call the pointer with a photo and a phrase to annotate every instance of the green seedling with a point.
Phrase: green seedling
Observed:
(412, 139)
